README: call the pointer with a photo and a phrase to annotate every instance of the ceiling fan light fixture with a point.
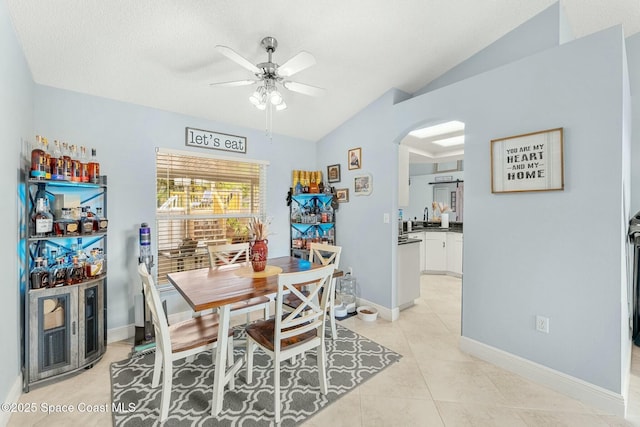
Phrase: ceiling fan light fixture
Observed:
(276, 97)
(281, 106)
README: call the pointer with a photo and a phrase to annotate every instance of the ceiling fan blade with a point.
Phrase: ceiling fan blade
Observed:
(304, 88)
(237, 58)
(234, 83)
(296, 64)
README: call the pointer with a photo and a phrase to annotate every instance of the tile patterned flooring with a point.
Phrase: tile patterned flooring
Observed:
(435, 384)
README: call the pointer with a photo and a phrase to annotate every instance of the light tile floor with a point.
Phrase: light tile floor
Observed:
(435, 384)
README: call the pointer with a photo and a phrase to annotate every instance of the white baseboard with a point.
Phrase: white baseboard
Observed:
(14, 395)
(576, 388)
(384, 312)
(121, 333)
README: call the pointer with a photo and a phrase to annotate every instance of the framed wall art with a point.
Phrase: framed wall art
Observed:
(362, 185)
(342, 195)
(333, 173)
(528, 162)
(354, 158)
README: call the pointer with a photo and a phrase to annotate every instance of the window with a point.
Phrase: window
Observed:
(203, 200)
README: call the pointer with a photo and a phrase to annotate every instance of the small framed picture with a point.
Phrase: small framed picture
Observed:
(342, 195)
(362, 185)
(354, 158)
(333, 173)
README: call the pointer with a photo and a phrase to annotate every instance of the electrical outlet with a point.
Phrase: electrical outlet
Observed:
(542, 324)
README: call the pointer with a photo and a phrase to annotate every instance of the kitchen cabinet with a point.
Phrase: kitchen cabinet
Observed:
(421, 237)
(64, 283)
(454, 253)
(408, 274)
(436, 251)
(443, 252)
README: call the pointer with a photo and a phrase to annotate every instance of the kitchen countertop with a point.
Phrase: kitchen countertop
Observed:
(419, 226)
(407, 241)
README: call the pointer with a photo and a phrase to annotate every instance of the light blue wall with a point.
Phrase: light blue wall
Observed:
(545, 30)
(364, 237)
(16, 126)
(633, 59)
(125, 136)
(539, 253)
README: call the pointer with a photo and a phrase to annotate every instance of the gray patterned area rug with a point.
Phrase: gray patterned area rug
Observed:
(351, 360)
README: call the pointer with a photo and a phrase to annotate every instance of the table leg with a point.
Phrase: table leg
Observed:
(219, 378)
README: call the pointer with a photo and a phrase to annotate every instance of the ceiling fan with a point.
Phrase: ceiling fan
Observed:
(269, 75)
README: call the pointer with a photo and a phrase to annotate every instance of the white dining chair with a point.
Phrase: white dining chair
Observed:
(178, 341)
(238, 253)
(289, 334)
(320, 253)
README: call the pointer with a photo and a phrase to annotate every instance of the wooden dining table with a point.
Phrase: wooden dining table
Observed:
(208, 288)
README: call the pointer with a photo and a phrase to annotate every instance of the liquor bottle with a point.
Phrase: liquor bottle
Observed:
(57, 162)
(58, 273)
(86, 221)
(42, 218)
(84, 165)
(101, 223)
(39, 275)
(47, 158)
(313, 184)
(103, 258)
(37, 160)
(75, 272)
(76, 169)
(66, 155)
(305, 181)
(94, 168)
(66, 225)
(93, 266)
(298, 185)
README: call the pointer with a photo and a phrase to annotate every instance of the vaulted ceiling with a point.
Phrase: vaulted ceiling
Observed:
(162, 53)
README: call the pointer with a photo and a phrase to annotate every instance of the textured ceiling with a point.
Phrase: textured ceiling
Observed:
(161, 53)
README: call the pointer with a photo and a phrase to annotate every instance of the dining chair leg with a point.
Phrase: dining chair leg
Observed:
(276, 387)
(165, 400)
(249, 356)
(157, 369)
(332, 322)
(232, 381)
(332, 310)
(322, 368)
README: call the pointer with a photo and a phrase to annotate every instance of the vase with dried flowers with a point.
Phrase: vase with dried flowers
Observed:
(259, 250)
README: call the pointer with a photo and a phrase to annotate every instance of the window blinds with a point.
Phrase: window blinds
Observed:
(201, 201)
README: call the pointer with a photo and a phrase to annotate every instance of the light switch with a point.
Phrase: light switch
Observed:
(385, 218)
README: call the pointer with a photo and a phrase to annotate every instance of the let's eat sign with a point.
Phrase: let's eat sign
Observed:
(215, 140)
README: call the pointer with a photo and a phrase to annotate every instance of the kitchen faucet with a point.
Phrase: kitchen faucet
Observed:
(426, 213)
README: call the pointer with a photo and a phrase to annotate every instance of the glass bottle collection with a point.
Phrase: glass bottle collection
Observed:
(71, 221)
(63, 162)
(315, 212)
(308, 182)
(52, 270)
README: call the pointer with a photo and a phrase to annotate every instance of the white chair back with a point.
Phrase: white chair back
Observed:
(159, 319)
(311, 312)
(234, 253)
(324, 254)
